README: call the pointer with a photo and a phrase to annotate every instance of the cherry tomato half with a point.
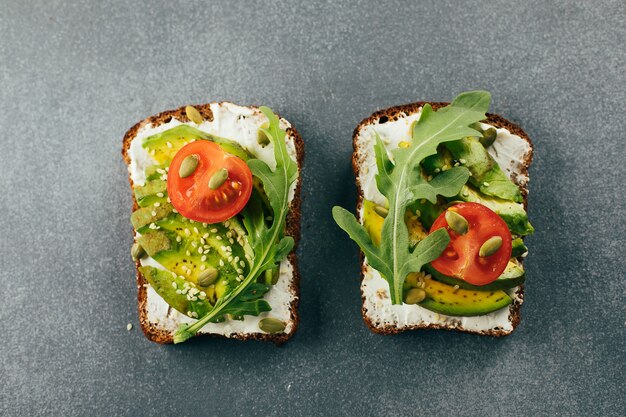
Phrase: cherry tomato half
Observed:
(192, 196)
(460, 259)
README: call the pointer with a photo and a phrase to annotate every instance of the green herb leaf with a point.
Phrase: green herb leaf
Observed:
(267, 242)
(400, 180)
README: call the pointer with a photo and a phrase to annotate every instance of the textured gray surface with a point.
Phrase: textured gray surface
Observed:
(74, 76)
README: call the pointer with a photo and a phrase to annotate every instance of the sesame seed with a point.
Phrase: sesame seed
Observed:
(154, 213)
(188, 272)
(194, 314)
(221, 262)
(188, 254)
(486, 184)
(174, 284)
(189, 313)
(187, 232)
(242, 263)
(194, 244)
(206, 250)
(456, 164)
(160, 195)
(169, 144)
(241, 277)
(178, 238)
(232, 242)
(200, 251)
(230, 259)
(160, 171)
(239, 271)
(202, 240)
(195, 229)
(223, 248)
(152, 152)
(174, 210)
(203, 258)
(462, 160)
(129, 327)
(228, 248)
(205, 235)
(236, 258)
(204, 224)
(202, 267)
(214, 230)
(218, 237)
(437, 170)
(227, 224)
(179, 291)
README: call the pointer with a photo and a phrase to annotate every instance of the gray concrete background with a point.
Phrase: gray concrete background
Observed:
(74, 76)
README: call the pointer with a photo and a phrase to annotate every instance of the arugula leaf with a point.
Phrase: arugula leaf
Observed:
(268, 244)
(400, 180)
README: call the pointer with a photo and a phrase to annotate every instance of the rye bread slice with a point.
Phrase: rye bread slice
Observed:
(395, 113)
(150, 329)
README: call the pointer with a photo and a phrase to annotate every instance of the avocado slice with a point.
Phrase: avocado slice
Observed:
(512, 276)
(169, 286)
(163, 146)
(194, 247)
(445, 299)
(487, 175)
(373, 223)
(144, 216)
(518, 247)
(512, 213)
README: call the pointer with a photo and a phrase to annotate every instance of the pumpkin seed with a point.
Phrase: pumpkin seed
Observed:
(489, 137)
(262, 138)
(490, 246)
(218, 178)
(207, 277)
(270, 325)
(137, 251)
(188, 166)
(456, 222)
(414, 296)
(193, 114)
(477, 126)
(381, 211)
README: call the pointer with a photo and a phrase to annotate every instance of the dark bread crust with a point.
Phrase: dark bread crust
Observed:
(151, 331)
(395, 113)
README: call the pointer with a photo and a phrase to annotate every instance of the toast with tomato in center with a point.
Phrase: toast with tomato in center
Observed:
(441, 217)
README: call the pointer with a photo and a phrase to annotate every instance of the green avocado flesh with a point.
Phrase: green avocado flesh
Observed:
(518, 247)
(512, 276)
(512, 213)
(163, 146)
(177, 292)
(487, 175)
(186, 248)
(445, 299)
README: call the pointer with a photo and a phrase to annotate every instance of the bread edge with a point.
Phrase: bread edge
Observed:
(394, 113)
(292, 229)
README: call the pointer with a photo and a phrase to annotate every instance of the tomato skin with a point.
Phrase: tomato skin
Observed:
(192, 197)
(460, 259)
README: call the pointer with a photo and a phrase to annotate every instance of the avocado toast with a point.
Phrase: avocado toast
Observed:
(468, 167)
(232, 271)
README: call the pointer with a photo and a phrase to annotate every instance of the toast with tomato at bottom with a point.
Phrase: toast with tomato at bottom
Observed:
(216, 219)
(441, 217)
